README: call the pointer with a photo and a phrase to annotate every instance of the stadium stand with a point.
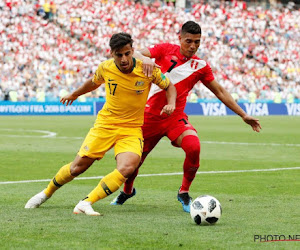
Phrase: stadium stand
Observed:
(50, 47)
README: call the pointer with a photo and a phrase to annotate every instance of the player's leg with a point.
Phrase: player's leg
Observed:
(66, 174)
(149, 144)
(183, 135)
(128, 152)
(128, 190)
(127, 162)
(152, 131)
(128, 185)
(88, 153)
(190, 143)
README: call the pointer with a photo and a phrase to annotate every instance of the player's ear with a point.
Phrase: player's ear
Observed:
(111, 53)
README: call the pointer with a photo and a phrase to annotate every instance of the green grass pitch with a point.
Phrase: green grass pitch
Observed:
(253, 202)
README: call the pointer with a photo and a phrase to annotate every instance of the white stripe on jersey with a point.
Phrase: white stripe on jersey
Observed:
(179, 73)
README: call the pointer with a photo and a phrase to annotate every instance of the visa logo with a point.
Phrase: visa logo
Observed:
(257, 109)
(214, 109)
(293, 108)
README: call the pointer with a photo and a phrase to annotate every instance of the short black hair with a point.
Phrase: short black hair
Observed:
(190, 27)
(119, 40)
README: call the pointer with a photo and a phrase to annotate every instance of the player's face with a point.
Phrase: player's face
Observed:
(189, 44)
(123, 58)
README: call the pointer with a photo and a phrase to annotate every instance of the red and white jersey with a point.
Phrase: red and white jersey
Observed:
(183, 72)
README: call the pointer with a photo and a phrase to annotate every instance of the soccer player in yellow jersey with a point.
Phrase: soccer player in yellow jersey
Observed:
(118, 124)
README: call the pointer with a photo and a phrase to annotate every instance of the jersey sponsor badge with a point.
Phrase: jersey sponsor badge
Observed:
(138, 92)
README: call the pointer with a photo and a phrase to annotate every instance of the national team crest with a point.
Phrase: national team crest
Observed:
(194, 64)
(139, 83)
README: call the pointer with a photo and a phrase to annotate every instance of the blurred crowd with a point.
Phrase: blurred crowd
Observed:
(50, 47)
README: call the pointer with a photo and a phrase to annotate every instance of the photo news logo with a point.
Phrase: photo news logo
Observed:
(276, 237)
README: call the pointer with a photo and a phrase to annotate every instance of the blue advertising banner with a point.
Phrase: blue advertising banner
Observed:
(98, 106)
(92, 108)
(46, 108)
(219, 109)
(255, 109)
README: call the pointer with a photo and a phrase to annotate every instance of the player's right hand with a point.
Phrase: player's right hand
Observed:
(68, 99)
(168, 109)
(148, 66)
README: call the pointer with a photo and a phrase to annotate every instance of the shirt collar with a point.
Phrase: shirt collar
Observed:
(183, 58)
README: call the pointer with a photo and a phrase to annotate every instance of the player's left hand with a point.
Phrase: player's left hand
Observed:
(253, 122)
(168, 109)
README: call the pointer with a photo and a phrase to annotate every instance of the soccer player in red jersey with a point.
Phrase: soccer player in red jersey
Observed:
(184, 70)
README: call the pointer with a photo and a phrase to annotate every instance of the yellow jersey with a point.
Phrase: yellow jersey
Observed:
(126, 94)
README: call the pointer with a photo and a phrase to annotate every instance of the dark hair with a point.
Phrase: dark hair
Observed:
(119, 40)
(190, 27)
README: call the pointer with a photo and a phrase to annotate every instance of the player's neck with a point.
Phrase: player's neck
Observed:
(184, 57)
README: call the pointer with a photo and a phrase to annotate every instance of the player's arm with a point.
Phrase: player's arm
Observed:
(171, 95)
(148, 64)
(88, 86)
(224, 96)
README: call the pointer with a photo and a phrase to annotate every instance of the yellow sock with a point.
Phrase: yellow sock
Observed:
(62, 177)
(109, 184)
